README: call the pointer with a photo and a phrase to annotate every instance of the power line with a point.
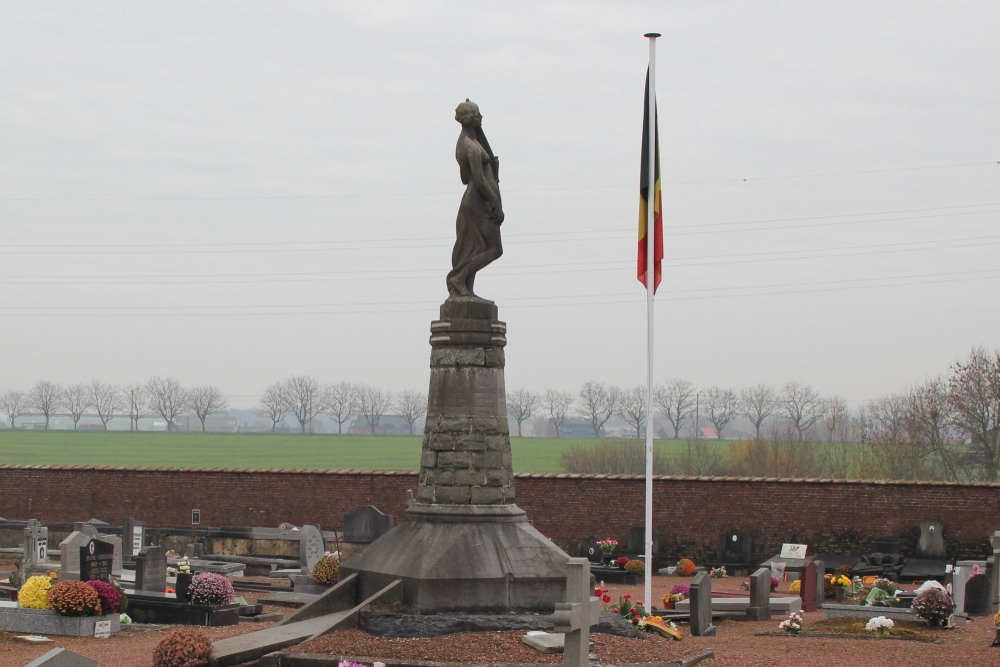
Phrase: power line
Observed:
(346, 195)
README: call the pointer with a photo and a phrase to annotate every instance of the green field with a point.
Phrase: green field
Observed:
(225, 450)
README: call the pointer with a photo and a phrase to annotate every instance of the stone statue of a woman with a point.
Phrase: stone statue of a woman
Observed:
(481, 212)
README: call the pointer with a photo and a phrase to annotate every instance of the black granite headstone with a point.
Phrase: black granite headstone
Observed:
(96, 560)
(588, 549)
(977, 595)
(734, 547)
(366, 524)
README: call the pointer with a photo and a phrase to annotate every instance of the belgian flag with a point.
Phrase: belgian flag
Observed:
(644, 197)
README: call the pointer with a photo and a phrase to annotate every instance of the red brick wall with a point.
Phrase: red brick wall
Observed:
(689, 513)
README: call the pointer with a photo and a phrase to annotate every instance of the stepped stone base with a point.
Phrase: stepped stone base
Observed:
(473, 558)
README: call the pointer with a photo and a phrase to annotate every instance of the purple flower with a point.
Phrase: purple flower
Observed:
(210, 588)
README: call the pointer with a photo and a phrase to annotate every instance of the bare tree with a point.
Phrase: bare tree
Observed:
(674, 401)
(106, 400)
(412, 405)
(205, 401)
(273, 404)
(339, 401)
(758, 403)
(47, 398)
(802, 405)
(166, 398)
(557, 403)
(304, 398)
(836, 416)
(598, 403)
(76, 398)
(13, 403)
(521, 404)
(974, 395)
(721, 405)
(373, 404)
(931, 416)
(632, 408)
(136, 402)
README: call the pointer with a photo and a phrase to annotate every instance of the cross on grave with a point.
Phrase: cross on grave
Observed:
(36, 543)
(575, 616)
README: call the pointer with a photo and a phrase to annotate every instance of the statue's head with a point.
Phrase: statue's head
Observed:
(467, 113)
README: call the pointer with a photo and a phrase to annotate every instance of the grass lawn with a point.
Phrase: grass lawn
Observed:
(245, 450)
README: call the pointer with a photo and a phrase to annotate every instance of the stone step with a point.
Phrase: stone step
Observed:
(293, 600)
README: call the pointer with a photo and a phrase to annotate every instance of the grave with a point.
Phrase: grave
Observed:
(738, 605)
(931, 545)
(97, 560)
(311, 548)
(151, 570)
(734, 551)
(36, 545)
(977, 596)
(48, 622)
(133, 537)
(69, 550)
(588, 548)
(574, 617)
(60, 657)
(760, 596)
(635, 541)
(366, 524)
(701, 606)
(810, 580)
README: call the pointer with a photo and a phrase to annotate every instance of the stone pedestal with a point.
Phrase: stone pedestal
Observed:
(463, 544)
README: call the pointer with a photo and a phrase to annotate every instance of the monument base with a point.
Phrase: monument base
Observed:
(471, 558)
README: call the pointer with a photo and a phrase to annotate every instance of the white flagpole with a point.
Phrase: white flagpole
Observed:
(650, 273)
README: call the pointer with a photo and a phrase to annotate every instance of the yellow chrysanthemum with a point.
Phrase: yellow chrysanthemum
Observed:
(35, 593)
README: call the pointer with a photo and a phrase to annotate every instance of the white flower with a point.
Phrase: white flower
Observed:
(879, 623)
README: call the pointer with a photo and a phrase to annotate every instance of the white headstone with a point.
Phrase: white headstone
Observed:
(575, 616)
(69, 557)
(36, 543)
(793, 551)
(311, 547)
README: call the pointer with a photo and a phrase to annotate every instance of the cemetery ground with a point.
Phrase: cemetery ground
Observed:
(736, 645)
(193, 449)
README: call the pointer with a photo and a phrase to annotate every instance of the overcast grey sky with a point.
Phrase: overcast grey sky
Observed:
(230, 193)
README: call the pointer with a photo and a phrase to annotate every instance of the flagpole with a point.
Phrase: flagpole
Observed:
(650, 286)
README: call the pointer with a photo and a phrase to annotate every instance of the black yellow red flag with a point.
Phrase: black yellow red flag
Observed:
(644, 197)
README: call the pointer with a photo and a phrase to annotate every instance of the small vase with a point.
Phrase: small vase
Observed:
(840, 594)
(668, 605)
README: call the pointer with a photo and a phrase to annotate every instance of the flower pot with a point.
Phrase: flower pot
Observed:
(840, 593)
(669, 605)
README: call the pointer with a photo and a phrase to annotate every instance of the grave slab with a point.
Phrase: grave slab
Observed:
(547, 642)
(858, 611)
(47, 622)
(288, 599)
(60, 657)
(779, 605)
(702, 605)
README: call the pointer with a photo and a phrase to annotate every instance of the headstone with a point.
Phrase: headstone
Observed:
(588, 549)
(196, 550)
(117, 566)
(366, 524)
(793, 550)
(994, 572)
(575, 616)
(69, 550)
(635, 541)
(807, 587)
(151, 570)
(97, 559)
(133, 536)
(86, 528)
(701, 606)
(820, 582)
(734, 547)
(931, 542)
(36, 544)
(977, 596)
(760, 596)
(311, 548)
(60, 657)
(959, 578)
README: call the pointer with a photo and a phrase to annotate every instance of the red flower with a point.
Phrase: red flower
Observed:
(598, 592)
(606, 599)
(170, 590)
(628, 597)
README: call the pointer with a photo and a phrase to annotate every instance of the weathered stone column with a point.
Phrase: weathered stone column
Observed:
(465, 457)
(463, 544)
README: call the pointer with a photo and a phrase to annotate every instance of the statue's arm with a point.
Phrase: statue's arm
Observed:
(484, 187)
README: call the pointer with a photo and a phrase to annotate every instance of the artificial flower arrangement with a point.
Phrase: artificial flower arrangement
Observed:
(774, 582)
(686, 567)
(793, 624)
(649, 623)
(351, 663)
(795, 586)
(681, 589)
(880, 625)
(622, 607)
(608, 545)
(718, 572)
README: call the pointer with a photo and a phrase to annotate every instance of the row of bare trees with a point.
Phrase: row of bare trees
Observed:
(304, 398)
(679, 402)
(160, 396)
